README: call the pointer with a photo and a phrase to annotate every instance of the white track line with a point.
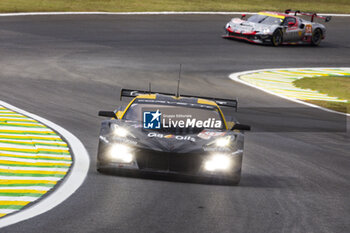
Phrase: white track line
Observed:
(9, 167)
(70, 183)
(9, 153)
(235, 77)
(7, 211)
(33, 135)
(14, 159)
(147, 13)
(18, 199)
(50, 178)
(39, 188)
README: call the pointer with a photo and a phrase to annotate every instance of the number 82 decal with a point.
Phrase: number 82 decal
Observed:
(308, 29)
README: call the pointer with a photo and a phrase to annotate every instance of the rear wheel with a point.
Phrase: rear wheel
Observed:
(277, 38)
(316, 37)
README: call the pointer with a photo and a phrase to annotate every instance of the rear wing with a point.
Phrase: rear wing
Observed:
(232, 103)
(313, 15)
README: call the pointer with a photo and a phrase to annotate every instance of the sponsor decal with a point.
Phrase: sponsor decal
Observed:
(308, 30)
(169, 136)
(124, 140)
(216, 149)
(191, 123)
(157, 120)
(207, 134)
(237, 20)
(133, 124)
(151, 120)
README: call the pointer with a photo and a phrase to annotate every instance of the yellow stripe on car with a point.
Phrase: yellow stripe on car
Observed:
(272, 15)
(207, 102)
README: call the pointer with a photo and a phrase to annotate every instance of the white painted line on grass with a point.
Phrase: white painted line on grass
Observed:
(39, 188)
(148, 13)
(8, 167)
(70, 183)
(235, 77)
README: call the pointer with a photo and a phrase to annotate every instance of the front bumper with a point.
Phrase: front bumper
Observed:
(156, 162)
(250, 37)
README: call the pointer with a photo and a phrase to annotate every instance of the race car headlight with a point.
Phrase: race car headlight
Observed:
(120, 131)
(218, 162)
(266, 31)
(223, 142)
(121, 153)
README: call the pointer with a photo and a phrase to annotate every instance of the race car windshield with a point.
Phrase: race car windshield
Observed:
(172, 115)
(264, 19)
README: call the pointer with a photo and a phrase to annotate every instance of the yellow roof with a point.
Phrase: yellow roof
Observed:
(272, 14)
(146, 96)
(208, 102)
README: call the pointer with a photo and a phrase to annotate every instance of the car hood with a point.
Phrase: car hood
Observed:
(169, 142)
(242, 26)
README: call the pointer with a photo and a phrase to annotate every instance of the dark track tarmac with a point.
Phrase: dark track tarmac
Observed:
(66, 68)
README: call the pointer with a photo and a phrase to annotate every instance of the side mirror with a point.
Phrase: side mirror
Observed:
(302, 26)
(107, 114)
(241, 127)
(243, 15)
(291, 24)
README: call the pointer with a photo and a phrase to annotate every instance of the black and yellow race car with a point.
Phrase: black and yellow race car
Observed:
(165, 133)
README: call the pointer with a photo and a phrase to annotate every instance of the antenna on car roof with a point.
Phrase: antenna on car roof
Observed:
(149, 87)
(178, 83)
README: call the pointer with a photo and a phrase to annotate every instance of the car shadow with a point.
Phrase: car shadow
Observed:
(247, 180)
(165, 177)
(306, 45)
(266, 181)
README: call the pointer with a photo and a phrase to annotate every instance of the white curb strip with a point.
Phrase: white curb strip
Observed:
(70, 183)
(235, 77)
(146, 13)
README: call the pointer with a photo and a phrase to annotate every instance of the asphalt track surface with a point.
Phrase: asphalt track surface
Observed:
(66, 68)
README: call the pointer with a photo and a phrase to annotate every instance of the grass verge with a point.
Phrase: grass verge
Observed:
(331, 6)
(337, 86)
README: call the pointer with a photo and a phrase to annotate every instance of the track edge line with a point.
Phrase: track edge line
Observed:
(235, 77)
(146, 13)
(69, 185)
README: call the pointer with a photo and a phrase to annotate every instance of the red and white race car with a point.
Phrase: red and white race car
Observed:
(277, 28)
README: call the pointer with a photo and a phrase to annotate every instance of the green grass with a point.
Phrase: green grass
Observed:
(337, 86)
(332, 6)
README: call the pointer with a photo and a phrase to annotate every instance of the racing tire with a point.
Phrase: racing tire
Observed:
(277, 38)
(316, 37)
(100, 153)
(99, 168)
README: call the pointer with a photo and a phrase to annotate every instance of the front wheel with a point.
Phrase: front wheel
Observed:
(277, 38)
(316, 37)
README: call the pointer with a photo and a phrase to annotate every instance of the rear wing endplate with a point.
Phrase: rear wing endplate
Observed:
(313, 15)
(232, 103)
